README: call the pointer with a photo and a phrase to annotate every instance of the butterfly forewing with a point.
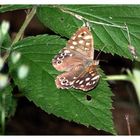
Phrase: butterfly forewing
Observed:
(67, 59)
(82, 42)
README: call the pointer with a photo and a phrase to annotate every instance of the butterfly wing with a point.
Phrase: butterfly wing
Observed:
(79, 49)
(88, 79)
(79, 78)
(66, 80)
(82, 42)
(67, 59)
(77, 60)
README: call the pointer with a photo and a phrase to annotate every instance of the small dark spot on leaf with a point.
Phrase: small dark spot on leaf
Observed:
(88, 98)
(62, 19)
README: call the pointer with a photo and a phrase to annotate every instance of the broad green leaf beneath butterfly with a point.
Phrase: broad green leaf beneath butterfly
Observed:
(115, 39)
(39, 85)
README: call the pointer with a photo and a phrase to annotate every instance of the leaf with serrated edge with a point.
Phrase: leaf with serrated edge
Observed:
(39, 86)
(114, 39)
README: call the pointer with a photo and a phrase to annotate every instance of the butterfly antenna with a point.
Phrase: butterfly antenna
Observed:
(99, 53)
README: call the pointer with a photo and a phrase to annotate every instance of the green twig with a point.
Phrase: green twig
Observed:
(133, 77)
(29, 17)
(118, 77)
(136, 82)
(3, 114)
(25, 24)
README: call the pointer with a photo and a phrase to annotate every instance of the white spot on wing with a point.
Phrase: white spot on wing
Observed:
(87, 43)
(87, 37)
(61, 54)
(81, 82)
(86, 49)
(87, 79)
(72, 47)
(58, 58)
(88, 84)
(71, 54)
(66, 51)
(64, 82)
(81, 41)
(71, 83)
(94, 78)
(79, 36)
(74, 43)
(77, 81)
(82, 86)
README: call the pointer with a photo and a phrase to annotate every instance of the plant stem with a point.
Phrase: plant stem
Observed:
(118, 77)
(25, 24)
(137, 88)
(128, 124)
(136, 82)
(29, 17)
(134, 78)
(3, 114)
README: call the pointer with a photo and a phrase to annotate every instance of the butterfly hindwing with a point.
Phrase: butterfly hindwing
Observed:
(88, 79)
(66, 80)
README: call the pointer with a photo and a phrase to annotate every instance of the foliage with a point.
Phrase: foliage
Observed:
(39, 87)
(107, 23)
(111, 27)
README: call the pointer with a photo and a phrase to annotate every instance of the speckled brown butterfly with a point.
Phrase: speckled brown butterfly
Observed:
(76, 59)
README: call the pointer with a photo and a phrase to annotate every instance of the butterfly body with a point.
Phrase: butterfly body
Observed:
(76, 59)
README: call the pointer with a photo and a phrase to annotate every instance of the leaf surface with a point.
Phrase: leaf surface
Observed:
(102, 18)
(39, 85)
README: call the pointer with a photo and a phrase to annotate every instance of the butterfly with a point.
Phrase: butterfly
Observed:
(77, 62)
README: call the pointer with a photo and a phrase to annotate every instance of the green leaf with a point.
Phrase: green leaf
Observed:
(9, 102)
(114, 39)
(39, 86)
(6, 8)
